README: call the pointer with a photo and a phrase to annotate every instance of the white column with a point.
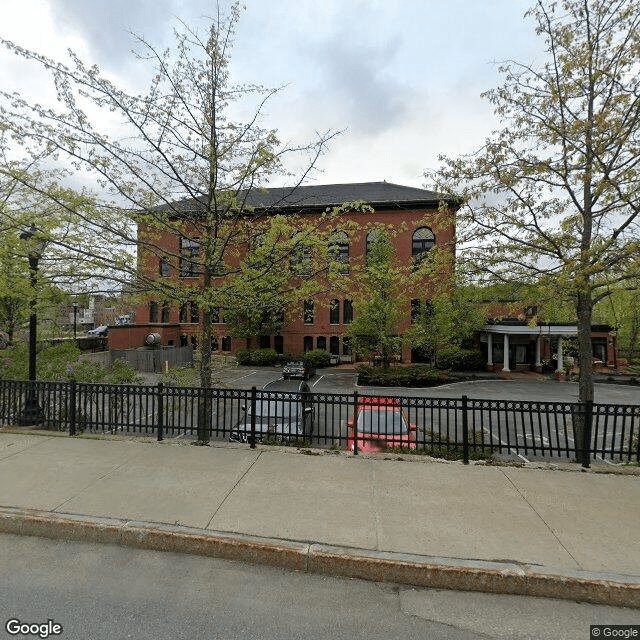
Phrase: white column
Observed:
(490, 349)
(538, 340)
(505, 360)
(560, 360)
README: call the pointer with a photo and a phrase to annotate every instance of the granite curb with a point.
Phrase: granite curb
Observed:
(366, 564)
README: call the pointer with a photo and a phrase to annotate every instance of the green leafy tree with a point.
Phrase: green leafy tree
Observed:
(621, 310)
(180, 163)
(447, 319)
(552, 198)
(377, 327)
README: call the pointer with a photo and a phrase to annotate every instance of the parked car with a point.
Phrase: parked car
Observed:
(297, 370)
(99, 331)
(284, 409)
(380, 424)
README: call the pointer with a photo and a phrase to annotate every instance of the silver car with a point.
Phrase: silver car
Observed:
(284, 409)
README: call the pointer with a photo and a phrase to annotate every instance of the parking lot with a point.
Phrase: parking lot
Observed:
(529, 438)
(490, 388)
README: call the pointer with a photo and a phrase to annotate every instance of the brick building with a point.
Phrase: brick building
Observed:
(416, 215)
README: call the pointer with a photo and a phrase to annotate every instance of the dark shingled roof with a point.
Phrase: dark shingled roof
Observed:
(381, 195)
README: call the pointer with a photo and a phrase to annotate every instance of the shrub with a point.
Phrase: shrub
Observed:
(243, 356)
(122, 372)
(317, 358)
(264, 357)
(437, 445)
(459, 359)
(422, 376)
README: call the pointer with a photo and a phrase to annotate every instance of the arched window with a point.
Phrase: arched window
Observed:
(300, 256)
(334, 345)
(339, 247)
(421, 242)
(372, 236)
(321, 343)
(307, 344)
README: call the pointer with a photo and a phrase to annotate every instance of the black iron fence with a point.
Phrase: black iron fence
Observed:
(445, 427)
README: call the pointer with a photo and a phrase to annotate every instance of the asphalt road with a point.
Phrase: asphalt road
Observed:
(108, 592)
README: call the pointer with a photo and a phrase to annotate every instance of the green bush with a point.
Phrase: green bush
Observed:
(243, 356)
(459, 359)
(422, 376)
(264, 357)
(317, 358)
(437, 445)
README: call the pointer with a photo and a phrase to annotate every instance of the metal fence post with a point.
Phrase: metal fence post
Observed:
(252, 437)
(355, 423)
(586, 434)
(465, 431)
(160, 411)
(72, 407)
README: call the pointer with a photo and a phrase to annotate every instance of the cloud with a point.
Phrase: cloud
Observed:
(105, 25)
(358, 81)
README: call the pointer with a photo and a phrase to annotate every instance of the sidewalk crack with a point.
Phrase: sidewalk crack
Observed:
(546, 524)
(240, 479)
(98, 479)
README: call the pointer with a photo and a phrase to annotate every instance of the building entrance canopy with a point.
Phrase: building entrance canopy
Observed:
(516, 332)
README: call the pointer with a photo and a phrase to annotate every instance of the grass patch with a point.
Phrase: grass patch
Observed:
(278, 441)
(439, 446)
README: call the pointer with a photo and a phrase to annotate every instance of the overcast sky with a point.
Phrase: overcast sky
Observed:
(402, 79)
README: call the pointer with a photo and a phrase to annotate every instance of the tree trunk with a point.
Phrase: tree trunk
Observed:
(584, 309)
(206, 372)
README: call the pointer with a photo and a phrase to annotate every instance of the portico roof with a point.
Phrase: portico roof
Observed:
(536, 330)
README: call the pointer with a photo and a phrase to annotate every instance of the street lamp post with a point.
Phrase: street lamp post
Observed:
(75, 319)
(32, 414)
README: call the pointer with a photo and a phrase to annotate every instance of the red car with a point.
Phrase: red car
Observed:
(381, 425)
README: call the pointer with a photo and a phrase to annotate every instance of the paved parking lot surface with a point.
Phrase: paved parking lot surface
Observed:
(344, 381)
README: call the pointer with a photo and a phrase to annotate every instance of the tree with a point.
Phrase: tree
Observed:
(449, 318)
(621, 310)
(180, 162)
(377, 325)
(553, 196)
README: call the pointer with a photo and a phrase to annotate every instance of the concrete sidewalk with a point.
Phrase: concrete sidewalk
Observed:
(563, 534)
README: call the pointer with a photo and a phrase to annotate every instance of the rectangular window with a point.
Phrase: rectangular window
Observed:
(334, 312)
(189, 254)
(183, 314)
(165, 268)
(153, 311)
(421, 310)
(226, 343)
(166, 313)
(308, 312)
(415, 310)
(218, 269)
(347, 315)
(216, 316)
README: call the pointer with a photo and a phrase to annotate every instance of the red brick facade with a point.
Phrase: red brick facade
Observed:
(401, 208)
